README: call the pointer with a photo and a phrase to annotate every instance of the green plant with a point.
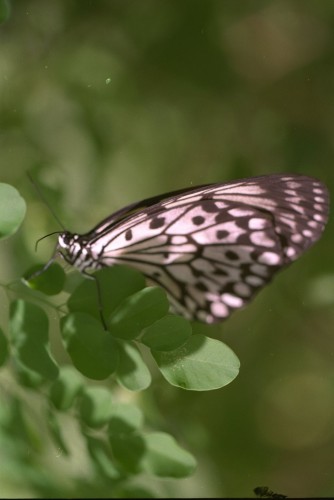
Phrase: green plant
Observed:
(47, 393)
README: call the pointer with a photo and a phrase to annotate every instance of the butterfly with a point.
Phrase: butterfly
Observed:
(211, 247)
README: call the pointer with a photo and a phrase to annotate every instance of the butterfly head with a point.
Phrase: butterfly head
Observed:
(69, 246)
(75, 249)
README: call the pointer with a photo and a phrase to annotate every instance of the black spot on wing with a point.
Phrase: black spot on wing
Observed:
(157, 222)
(198, 220)
(128, 235)
(231, 255)
(220, 234)
(209, 206)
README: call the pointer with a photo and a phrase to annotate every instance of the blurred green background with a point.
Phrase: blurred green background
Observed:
(109, 102)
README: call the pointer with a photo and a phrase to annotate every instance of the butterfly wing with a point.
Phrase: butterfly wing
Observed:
(142, 206)
(213, 247)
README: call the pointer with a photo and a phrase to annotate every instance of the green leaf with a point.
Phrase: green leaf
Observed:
(3, 348)
(125, 418)
(167, 333)
(56, 432)
(102, 459)
(29, 336)
(116, 283)
(25, 376)
(66, 388)
(93, 350)
(96, 406)
(138, 311)
(74, 279)
(156, 453)
(12, 210)
(132, 372)
(4, 10)
(202, 364)
(128, 451)
(15, 423)
(165, 458)
(49, 282)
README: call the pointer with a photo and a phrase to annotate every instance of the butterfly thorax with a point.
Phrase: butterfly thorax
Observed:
(76, 250)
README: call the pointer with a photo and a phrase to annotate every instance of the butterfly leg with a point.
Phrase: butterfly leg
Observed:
(99, 297)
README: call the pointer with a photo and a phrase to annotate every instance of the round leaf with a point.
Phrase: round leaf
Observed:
(128, 450)
(51, 281)
(165, 458)
(93, 350)
(138, 311)
(132, 372)
(29, 333)
(102, 459)
(202, 364)
(65, 389)
(116, 283)
(12, 210)
(95, 406)
(167, 333)
(25, 376)
(125, 418)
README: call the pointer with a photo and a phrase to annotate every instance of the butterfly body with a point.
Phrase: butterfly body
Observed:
(211, 247)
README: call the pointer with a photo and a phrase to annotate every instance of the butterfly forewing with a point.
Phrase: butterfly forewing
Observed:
(213, 247)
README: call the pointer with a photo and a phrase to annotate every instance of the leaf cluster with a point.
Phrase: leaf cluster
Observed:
(138, 322)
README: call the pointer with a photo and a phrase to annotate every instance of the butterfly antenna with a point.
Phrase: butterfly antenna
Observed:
(43, 198)
(45, 236)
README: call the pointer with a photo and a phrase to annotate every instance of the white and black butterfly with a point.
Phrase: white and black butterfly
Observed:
(212, 247)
